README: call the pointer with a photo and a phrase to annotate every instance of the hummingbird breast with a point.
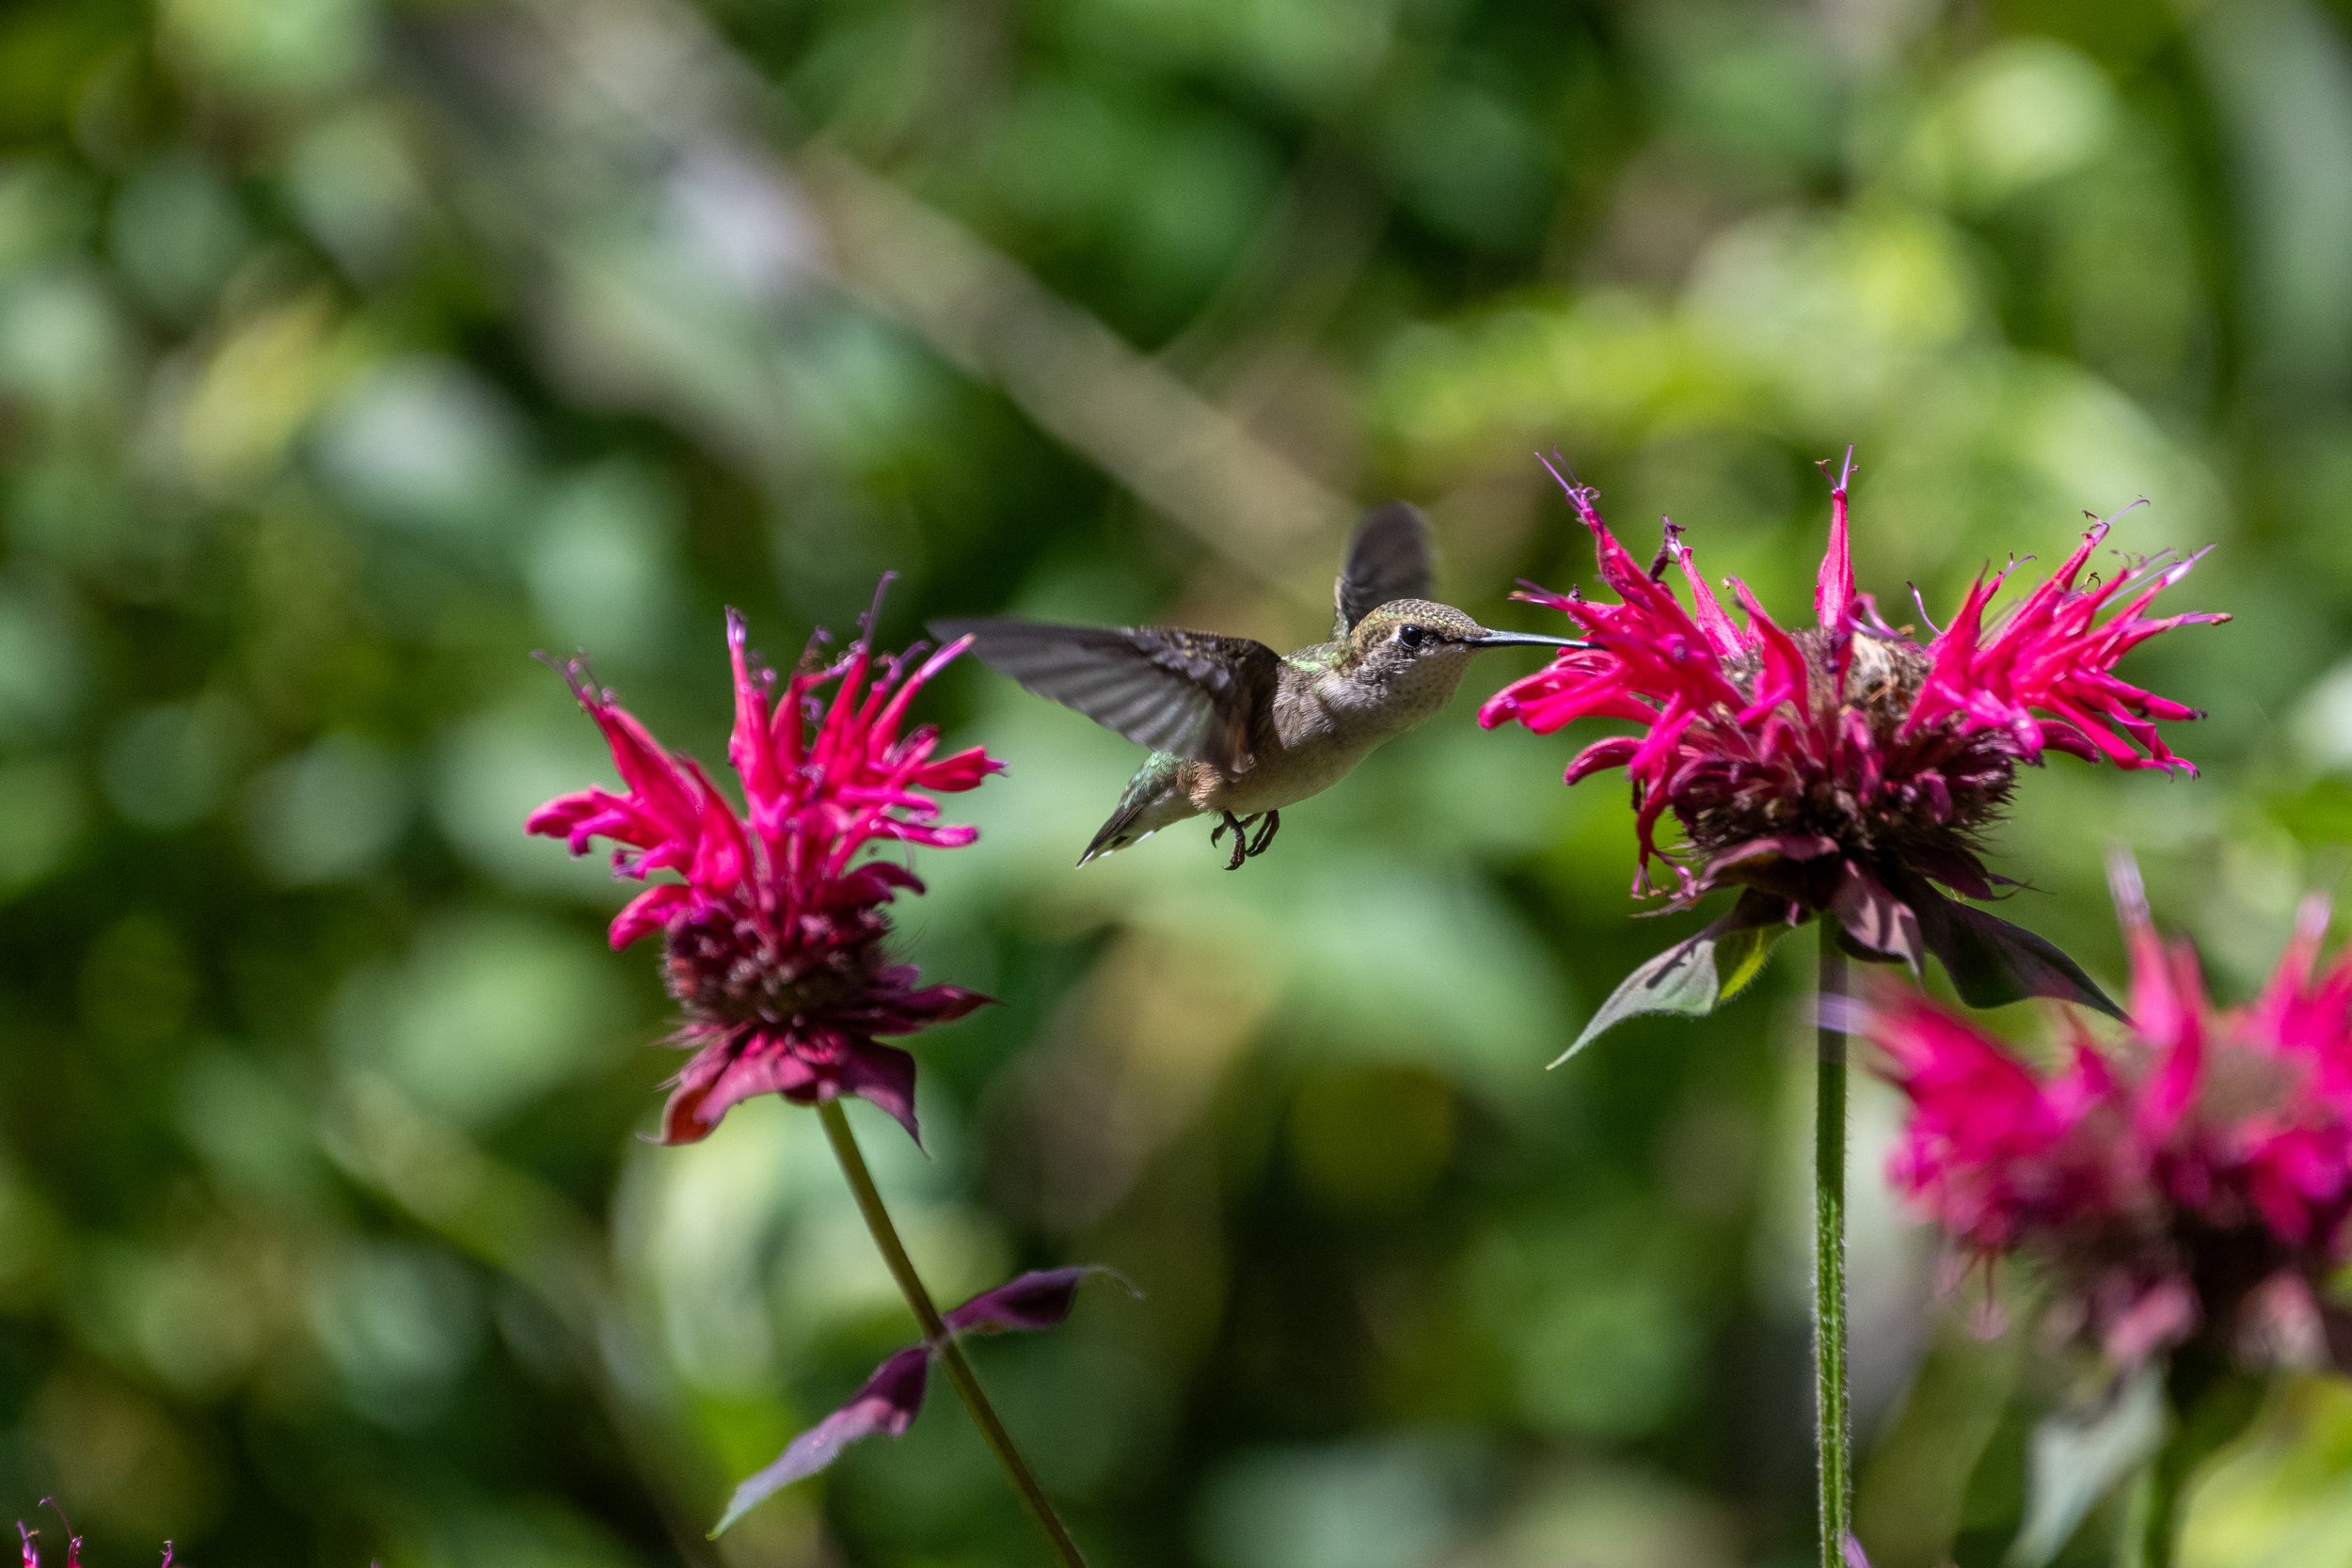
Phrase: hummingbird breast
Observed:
(1323, 722)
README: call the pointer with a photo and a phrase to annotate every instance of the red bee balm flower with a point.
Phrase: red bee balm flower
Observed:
(1844, 766)
(775, 934)
(2194, 1175)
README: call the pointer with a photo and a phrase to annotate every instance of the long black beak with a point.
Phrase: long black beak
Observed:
(1519, 640)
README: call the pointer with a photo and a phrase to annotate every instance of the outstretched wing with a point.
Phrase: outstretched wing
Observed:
(1389, 559)
(1188, 693)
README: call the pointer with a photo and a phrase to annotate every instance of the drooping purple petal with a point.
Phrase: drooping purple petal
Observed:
(891, 1398)
(1040, 1299)
(887, 1405)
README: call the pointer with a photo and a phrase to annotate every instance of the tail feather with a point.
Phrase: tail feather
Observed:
(1149, 802)
(1119, 832)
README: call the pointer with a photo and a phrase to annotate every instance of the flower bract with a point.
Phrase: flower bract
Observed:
(888, 1401)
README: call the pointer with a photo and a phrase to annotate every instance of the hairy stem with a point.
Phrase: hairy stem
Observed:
(936, 1333)
(1832, 1418)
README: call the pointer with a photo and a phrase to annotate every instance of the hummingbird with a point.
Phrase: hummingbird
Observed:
(1237, 730)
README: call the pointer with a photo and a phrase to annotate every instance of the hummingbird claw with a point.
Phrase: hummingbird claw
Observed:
(1240, 828)
(1246, 845)
(1265, 834)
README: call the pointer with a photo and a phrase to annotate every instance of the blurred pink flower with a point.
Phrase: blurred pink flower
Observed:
(774, 932)
(73, 1548)
(888, 1401)
(2193, 1176)
(1835, 766)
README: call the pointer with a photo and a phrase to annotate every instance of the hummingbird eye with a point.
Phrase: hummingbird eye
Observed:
(1411, 635)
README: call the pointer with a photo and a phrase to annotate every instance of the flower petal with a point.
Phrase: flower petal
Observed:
(1040, 1299)
(886, 1406)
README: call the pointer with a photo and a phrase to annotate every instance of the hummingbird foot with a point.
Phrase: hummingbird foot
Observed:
(1239, 827)
(1265, 834)
(1245, 844)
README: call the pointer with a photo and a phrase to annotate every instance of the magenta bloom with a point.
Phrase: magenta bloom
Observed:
(775, 931)
(1844, 766)
(890, 1400)
(73, 1548)
(2193, 1176)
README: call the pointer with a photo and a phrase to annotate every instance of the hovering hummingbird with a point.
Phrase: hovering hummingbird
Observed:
(1236, 730)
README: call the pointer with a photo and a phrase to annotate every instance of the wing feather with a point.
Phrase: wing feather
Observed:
(1388, 559)
(1190, 693)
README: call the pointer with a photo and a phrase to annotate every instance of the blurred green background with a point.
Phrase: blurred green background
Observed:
(350, 351)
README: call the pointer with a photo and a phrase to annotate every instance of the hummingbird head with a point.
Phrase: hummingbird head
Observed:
(1416, 651)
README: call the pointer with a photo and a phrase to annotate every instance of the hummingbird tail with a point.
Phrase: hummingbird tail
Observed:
(1119, 832)
(1150, 801)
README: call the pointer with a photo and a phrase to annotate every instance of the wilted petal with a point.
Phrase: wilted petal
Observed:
(885, 1406)
(883, 1077)
(889, 1401)
(732, 1069)
(1040, 1299)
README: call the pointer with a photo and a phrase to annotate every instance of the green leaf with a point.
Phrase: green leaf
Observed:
(2075, 1458)
(1739, 959)
(1993, 963)
(1697, 975)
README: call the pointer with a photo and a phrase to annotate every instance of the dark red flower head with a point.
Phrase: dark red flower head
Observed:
(775, 931)
(1834, 767)
(2194, 1175)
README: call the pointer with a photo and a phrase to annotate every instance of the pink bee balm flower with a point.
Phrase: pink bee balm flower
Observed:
(1844, 766)
(2193, 1176)
(775, 932)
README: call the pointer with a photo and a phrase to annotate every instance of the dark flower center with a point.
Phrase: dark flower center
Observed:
(1874, 791)
(725, 967)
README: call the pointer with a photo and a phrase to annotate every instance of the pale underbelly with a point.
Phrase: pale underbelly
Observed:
(1272, 784)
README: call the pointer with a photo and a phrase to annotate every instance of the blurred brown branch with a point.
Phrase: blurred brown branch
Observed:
(691, 105)
(1178, 451)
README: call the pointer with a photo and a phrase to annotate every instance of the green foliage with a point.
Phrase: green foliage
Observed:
(1695, 975)
(352, 350)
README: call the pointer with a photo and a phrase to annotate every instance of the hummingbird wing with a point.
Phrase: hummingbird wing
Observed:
(1191, 694)
(1388, 559)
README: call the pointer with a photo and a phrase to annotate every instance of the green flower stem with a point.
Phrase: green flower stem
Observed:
(2211, 1405)
(2156, 1513)
(1832, 1417)
(935, 1332)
